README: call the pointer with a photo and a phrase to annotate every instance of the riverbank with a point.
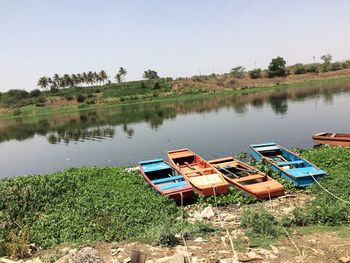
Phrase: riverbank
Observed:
(114, 96)
(90, 206)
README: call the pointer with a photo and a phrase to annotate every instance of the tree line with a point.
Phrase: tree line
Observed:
(87, 78)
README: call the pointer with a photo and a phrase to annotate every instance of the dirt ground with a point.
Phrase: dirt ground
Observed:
(307, 244)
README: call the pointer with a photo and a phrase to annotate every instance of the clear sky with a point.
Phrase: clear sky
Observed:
(174, 37)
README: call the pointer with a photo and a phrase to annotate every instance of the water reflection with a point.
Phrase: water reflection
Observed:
(101, 123)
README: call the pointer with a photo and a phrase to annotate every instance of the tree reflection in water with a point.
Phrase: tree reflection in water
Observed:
(101, 123)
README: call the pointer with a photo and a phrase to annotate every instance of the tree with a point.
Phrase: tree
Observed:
(326, 62)
(150, 74)
(103, 76)
(90, 78)
(326, 58)
(120, 76)
(237, 72)
(43, 83)
(277, 68)
(56, 81)
(299, 69)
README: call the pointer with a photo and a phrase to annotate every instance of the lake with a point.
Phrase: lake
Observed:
(211, 125)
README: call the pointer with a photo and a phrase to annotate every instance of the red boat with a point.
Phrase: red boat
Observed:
(335, 139)
(204, 178)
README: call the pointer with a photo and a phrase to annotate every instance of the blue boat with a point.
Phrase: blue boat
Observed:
(289, 165)
(165, 179)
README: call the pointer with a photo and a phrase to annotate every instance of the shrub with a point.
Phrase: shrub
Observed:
(17, 112)
(237, 72)
(259, 222)
(255, 73)
(312, 69)
(156, 86)
(277, 68)
(336, 66)
(35, 93)
(90, 100)
(81, 98)
(299, 69)
(68, 97)
(168, 239)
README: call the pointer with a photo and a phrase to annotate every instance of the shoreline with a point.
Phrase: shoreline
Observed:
(33, 111)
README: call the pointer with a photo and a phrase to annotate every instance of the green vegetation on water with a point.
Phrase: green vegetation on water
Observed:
(105, 204)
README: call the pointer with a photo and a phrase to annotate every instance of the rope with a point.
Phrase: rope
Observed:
(337, 197)
(285, 230)
(182, 225)
(223, 227)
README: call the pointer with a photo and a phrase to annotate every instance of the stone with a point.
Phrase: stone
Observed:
(85, 255)
(344, 259)
(274, 249)
(230, 218)
(5, 260)
(199, 240)
(207, 213)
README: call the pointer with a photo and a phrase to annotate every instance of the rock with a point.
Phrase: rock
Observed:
(274, 249)
(34, 260)
(194, 260)
(5, 260)
(127, 260)
(199, 240)
(230, 218)
(249, 256)
(207, 213)
(85, 255)
(65, 250)
(344, 259)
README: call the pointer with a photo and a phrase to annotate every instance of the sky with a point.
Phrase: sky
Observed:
(174, 37)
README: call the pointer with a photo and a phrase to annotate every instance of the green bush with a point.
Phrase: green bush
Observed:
(312, 68)
(299, 69)
(336, 66)
(35, 93)
(259, 222)
(255, 73)
(81, 98)
(17, 112)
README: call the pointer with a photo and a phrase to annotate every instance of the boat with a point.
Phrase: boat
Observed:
(204, 178)
(165, 179)
(289, 165)
(247, 178)
(335, 139)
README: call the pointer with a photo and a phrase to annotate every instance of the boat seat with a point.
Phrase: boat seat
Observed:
(267, 148)
(198, 170)
(290, 163)
(209, 179)
(172, 185)
(167, 179)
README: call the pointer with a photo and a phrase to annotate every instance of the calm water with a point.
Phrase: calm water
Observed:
(212, 126)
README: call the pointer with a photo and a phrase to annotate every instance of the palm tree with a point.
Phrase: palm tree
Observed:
(56, 81)
(90, 78)
(118, 78)
(103, 75)
(122, 72)
(85, 77)
(43, 82)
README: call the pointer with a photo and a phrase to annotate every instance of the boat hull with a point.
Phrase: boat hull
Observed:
(302, 175)
(333, 139)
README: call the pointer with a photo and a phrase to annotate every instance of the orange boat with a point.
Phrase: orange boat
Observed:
(204, 178)
(247, 178)
(335, 139)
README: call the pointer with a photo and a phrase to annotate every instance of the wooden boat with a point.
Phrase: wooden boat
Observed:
(289, 165)
(335, 139)
(204, 178)
(165, 179)
(247, 178)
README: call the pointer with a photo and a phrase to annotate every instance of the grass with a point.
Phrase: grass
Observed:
(79, 205)
(143, 92)
(108, 204)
